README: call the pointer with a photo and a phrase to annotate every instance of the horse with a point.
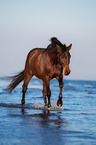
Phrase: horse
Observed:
(46, 64)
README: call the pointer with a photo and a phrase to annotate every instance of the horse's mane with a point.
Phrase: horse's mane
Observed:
(54, 42)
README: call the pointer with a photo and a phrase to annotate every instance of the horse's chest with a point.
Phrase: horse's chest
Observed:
(56, 71)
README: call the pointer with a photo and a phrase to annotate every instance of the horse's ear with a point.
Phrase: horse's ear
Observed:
(69, 47)
(61, 49)
(58, 49)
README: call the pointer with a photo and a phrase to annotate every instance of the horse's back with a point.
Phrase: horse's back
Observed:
(32, 64)
(35, 51)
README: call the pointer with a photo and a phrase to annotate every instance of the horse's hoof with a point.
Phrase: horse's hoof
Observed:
(49, 106)
(59, 103)
(23, 105)
(46, 106)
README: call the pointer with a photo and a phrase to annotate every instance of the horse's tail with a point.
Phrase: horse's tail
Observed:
(15, 81)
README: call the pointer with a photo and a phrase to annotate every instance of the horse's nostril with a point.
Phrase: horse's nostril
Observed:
(67, 72)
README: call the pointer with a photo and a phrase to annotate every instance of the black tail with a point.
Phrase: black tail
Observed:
(15, 81)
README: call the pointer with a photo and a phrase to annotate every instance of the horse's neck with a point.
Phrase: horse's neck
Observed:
(51, 46)
(52, 54)
(51, 49)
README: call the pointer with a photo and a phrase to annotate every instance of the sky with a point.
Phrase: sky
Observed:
(27, 24)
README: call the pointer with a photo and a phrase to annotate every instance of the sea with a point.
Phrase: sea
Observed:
(72, 124)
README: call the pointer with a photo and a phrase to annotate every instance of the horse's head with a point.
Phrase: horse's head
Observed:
(64, 57)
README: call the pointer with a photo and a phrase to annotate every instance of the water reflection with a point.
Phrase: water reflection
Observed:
(45, 118)
(48, 126)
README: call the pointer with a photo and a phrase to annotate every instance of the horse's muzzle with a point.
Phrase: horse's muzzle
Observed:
(67, 72)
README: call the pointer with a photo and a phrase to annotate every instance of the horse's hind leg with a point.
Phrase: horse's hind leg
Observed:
(24, 87)
(46, 92)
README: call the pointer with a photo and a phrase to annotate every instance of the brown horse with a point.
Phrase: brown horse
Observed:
(45, 64)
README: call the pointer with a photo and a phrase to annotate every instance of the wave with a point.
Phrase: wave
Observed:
(52, 108)
(83, 85)
(35, 86)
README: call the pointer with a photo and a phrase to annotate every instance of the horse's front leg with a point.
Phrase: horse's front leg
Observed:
(61, 84)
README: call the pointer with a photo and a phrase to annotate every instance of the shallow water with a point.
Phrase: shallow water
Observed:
(74, 123)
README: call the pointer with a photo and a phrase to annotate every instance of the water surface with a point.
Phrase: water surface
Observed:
(74, 124)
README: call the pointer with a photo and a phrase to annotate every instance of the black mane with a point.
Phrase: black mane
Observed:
(54, 42)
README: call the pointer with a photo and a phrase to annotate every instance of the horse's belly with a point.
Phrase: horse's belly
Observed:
(38, 73)
(36, 68)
